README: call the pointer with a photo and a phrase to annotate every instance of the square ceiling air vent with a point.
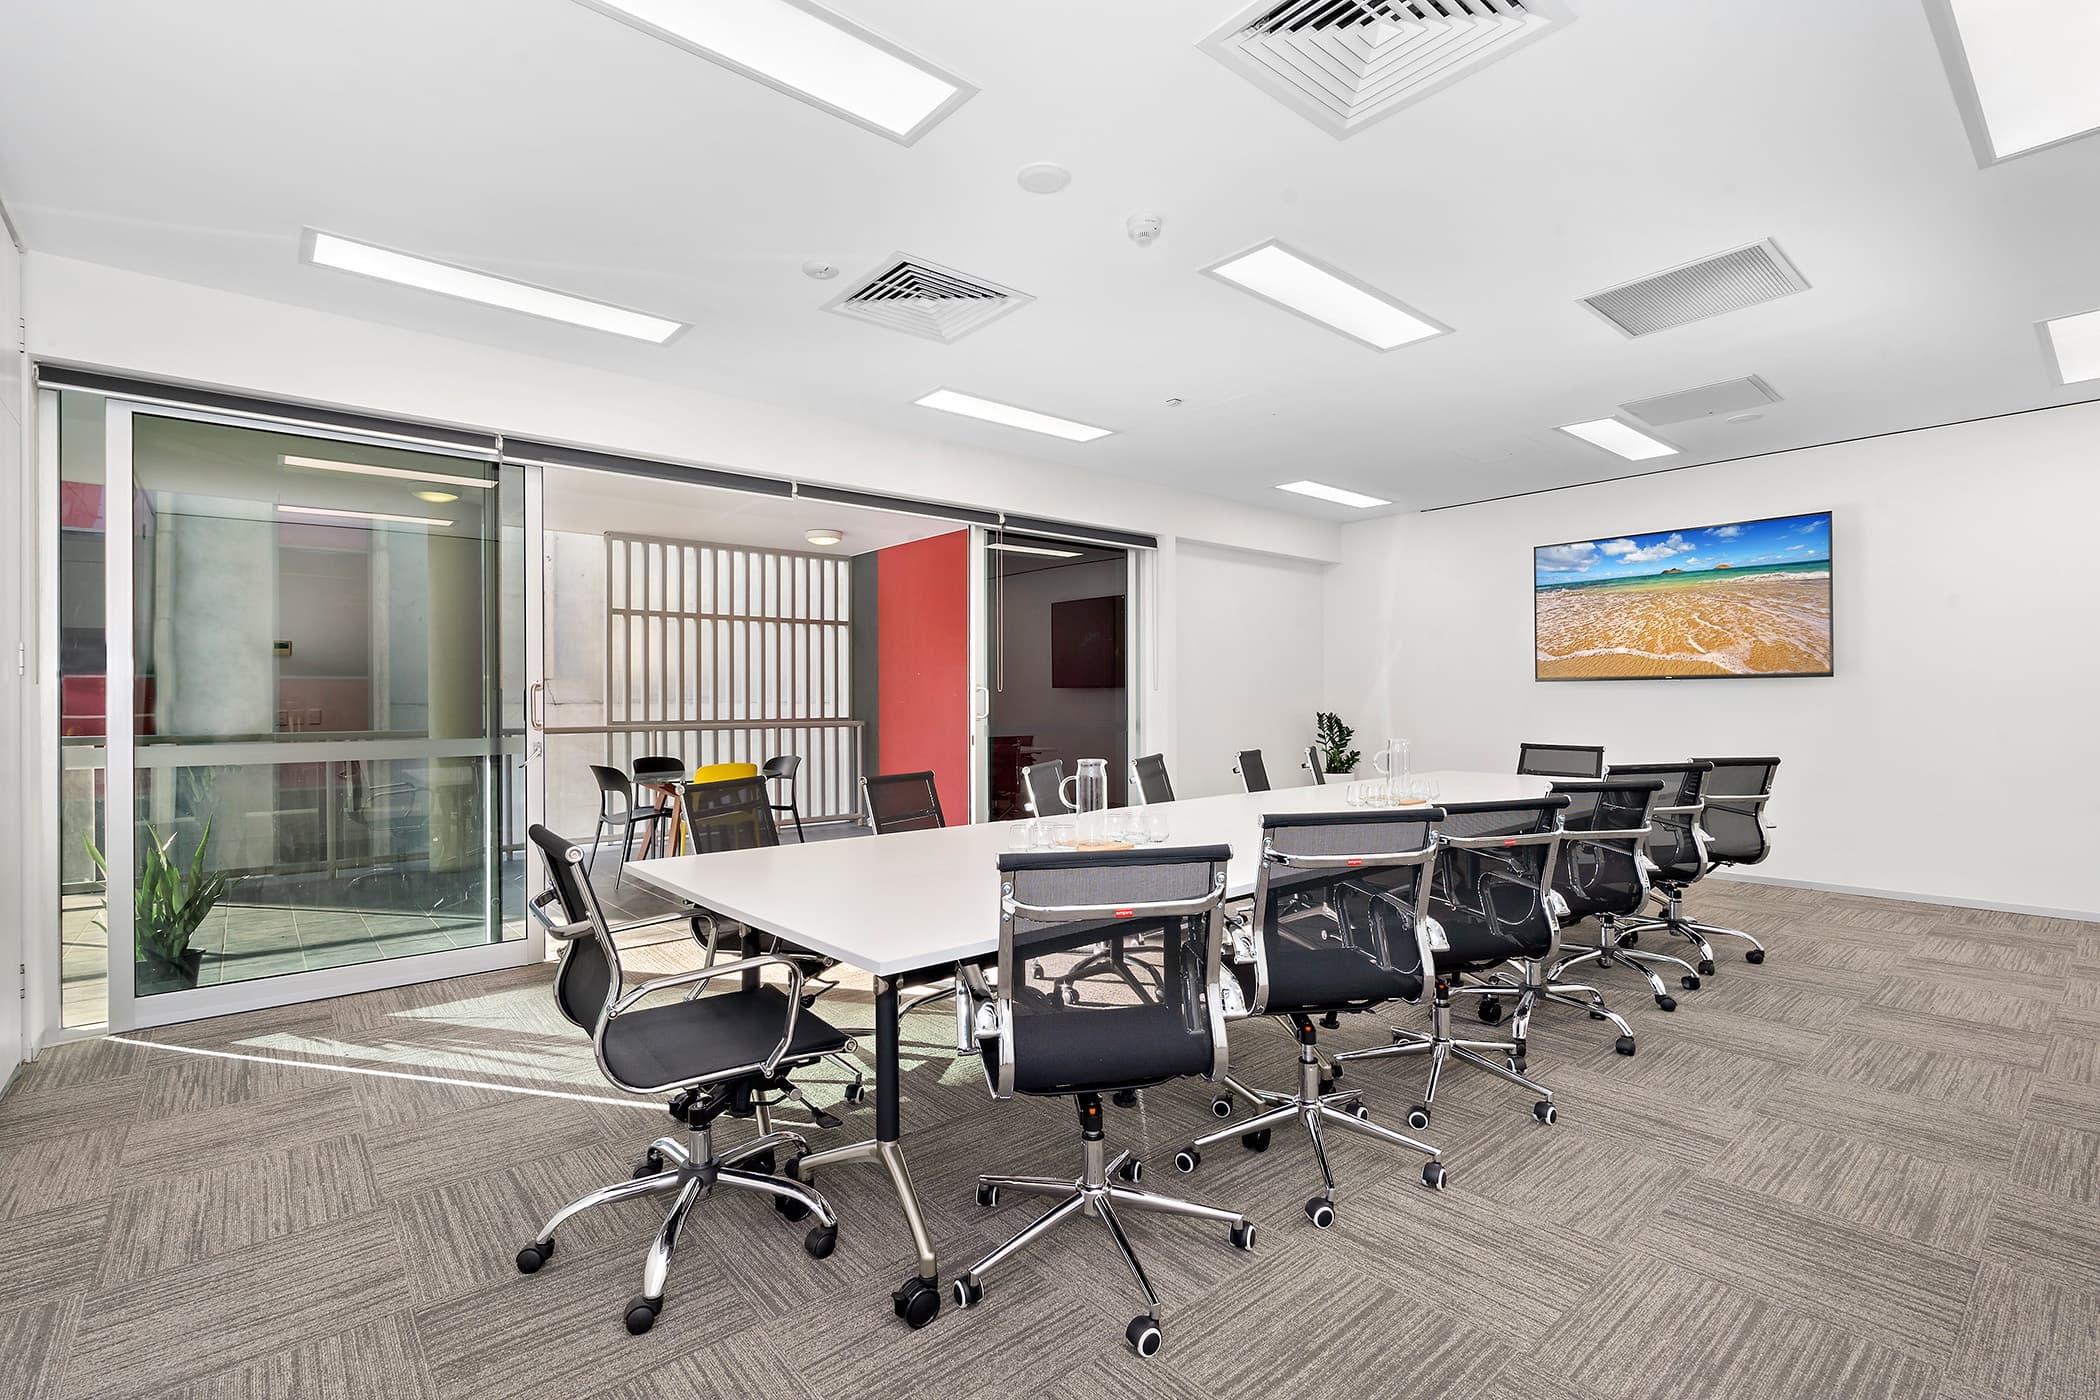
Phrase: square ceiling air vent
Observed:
(1348, 63)
(1708, 401)
(925, 299)
(1710, 287)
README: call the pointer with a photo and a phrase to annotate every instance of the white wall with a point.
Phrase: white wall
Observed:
(1967, 616)
(1248, 651)
(16, 707)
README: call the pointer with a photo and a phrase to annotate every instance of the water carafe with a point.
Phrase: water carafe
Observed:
(1087, 789)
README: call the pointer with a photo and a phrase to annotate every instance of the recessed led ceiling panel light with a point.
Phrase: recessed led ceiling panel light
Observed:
(329, 464)
(2075, 342)
(2023, 73)
(1005, 548)
(368, 260)
(360, 515)
(1310, 288)
(991, 411)
(1615, 437)
(823, 539)
(1321, 492)
(805, 51)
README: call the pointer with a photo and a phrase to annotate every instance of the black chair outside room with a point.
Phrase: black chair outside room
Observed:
(783, 769)
(619, 814)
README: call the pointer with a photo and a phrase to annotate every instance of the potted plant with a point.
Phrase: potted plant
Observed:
(172, 906)
(1333, 743)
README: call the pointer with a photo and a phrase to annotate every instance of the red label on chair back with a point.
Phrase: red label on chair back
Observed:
(1125, 913)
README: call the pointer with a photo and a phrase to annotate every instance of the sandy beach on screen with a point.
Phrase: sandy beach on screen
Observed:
(1712, 626)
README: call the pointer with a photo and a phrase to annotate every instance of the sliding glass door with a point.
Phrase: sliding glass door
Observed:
(292, 672)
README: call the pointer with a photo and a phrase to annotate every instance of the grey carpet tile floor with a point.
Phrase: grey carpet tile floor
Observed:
(1867, 1168)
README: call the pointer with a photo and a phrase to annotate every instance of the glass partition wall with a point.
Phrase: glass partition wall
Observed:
(298, 677)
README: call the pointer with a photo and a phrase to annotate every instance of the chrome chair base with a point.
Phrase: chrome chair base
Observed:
(1094, 1194)
(692, 1170)
(1534, 987)
(1615, 945)
(1443, 1049)
(1699, 935)
(1315, 1106)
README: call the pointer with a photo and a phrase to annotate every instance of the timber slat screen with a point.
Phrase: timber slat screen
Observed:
(737, 654)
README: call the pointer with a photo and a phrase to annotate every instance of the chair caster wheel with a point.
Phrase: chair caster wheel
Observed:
(1433, 1175)
(1187, 1159)
(791, 1209)
(1517, 1063)
(764, 1163)
(1755, 955)
(1490, 1010)
(1666, 1002)
(650, 1165)
(1326, 1087)
(1332, 1021)
(1544, 1111)
(1256, 1141)
(535, 1255)
(1596, 1015)
(1360, 1110)
(1688, 982)
(968, 1292)
(1418, 1116)
(1221, 1106)
(1243, 1235)
(917, 1302)
(641, 1314)
(987, 1196)
(793, 1170)
(1131, 1170)
(1624, 1045)
(1143, 1334)
(1631, 939)
(1706, 967)
(1125, 1098)
(1320, 1211)
(821, 1240)
(856, 1092)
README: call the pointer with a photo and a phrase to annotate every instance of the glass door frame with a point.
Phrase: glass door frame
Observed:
(127, 1011)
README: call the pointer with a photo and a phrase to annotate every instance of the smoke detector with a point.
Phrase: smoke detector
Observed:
(821, 271)
(1143, 229)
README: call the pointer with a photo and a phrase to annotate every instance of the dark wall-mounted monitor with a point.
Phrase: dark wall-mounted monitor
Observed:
(1086, 643)
(1751, 598)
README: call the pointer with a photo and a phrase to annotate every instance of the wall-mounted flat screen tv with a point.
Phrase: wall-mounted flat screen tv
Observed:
(1746, 599)
(1086, 643)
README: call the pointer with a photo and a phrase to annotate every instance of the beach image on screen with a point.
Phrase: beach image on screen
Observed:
(1749, 599)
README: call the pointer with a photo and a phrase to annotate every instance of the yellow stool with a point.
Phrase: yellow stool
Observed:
(723, 772)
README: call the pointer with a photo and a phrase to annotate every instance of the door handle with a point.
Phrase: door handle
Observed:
(536, 705)
(985, 711)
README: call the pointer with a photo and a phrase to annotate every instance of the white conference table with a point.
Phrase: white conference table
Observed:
(915, 901)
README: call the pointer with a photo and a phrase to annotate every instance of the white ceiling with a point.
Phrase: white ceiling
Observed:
(542, 140)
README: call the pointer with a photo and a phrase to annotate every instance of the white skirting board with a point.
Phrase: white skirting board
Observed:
(2082, 915)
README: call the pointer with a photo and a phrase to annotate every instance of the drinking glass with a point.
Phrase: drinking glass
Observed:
(1114, 825)
(1155, 819)
(1063, 832)
(1023, 836)
(1354, 794)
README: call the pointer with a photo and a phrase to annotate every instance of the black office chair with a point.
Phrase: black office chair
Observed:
(1336, 906)
(1314, 761)
(1254, 774)
(1676, 860)
(1053, 908)
(1561, 760)
(1490, 904)
(617, 812)
(726, 1053)
(666, 769)
(1600, 873)
(1043, 786)
(1735, 795)
(782, 768)
(1150, 774)
(901, 802)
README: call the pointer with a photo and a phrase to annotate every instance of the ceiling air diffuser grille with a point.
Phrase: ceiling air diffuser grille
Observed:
(927, 300)
(1348, 63)
(1709, 287)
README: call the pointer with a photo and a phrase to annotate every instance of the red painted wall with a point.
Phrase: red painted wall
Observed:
(923, 646)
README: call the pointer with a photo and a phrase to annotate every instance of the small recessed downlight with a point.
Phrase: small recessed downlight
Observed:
(1042, 177)
(824, 538)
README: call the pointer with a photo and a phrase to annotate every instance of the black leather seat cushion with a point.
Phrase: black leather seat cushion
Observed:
(688, 1040)
(1084, 1050)
(1308, 979)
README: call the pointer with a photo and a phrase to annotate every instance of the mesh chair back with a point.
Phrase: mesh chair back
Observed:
(657, 767)
(1152, 781)
(1151, 1011)
(1561, 760)
(1599, 868)
(733, 815)
(1044, 784)
(1336, 905)
(902, 802)
(1676, 844)
(1734, 817)
(1491, 896)
(588, 979)
(1317, 764)
(1253, 772)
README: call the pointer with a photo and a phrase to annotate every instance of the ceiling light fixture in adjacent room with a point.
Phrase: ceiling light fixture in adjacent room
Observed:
(823, 539)
(808, 52)
(1322, 492)
(360, 515)
(1305, 286)
(1619, 439)
(329, 464)
(2074, 341)
(369, 260)
(1005, 548)
(992, 411)
(436, 498)
(2022, 73)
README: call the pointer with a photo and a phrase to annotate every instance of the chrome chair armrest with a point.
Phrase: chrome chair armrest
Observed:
(707, 974)
(565, 932)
